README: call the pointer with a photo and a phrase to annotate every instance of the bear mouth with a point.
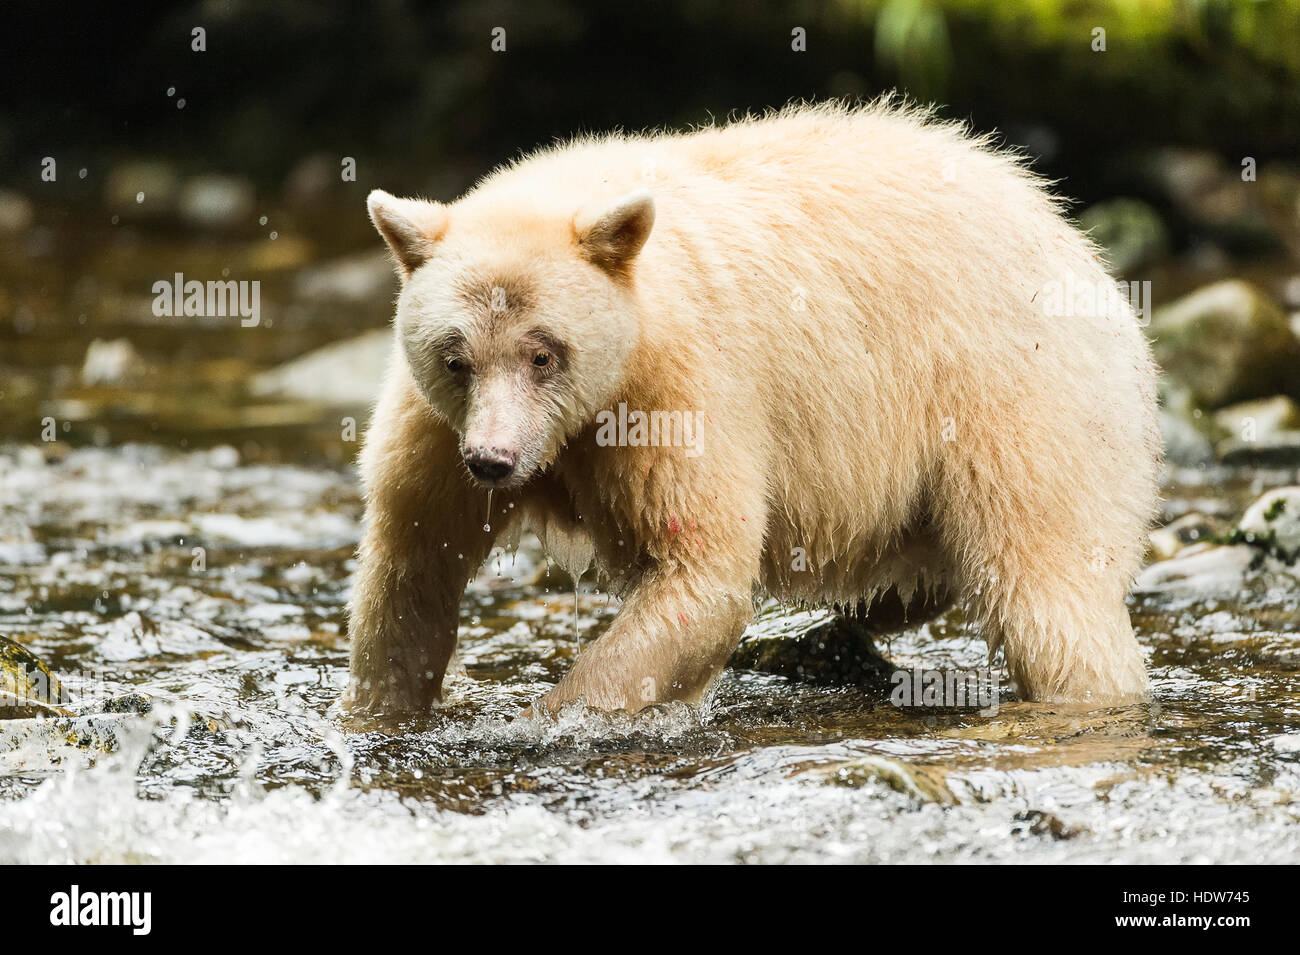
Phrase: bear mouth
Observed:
(510, 482)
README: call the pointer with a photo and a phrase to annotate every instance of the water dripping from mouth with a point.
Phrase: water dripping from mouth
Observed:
(577, 638)
(487, 521)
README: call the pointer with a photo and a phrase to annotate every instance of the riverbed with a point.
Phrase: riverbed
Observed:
(198, 597)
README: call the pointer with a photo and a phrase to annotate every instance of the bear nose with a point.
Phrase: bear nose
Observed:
(490, 464)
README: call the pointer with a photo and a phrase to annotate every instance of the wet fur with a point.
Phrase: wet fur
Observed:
(837, 291)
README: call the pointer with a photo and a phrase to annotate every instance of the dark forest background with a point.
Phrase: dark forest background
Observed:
(415, 92)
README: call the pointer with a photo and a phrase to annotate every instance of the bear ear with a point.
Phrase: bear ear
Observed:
(411, 227)
(612, 234)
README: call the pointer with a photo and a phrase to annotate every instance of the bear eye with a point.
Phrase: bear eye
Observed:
(542, 359)
(455, 366)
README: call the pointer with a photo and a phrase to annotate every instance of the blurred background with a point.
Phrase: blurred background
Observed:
(237, 139)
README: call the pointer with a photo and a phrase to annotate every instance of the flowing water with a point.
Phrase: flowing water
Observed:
(181, 558)
(209, 593)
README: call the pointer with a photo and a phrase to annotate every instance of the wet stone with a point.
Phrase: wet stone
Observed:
(1273, 523)
(839, 651)
(924, 784)
(1193, 528)
(28, 688)
(1225, 343)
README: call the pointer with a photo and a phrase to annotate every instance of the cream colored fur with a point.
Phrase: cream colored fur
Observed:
(852, 299)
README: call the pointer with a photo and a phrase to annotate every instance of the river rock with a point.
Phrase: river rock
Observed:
(1278, 450)
(834, 651)
(1262, 551)
(1187, 432)
(1227, 342)
(1184, 444)
(344, 374)
(1187, 530)
(1203, 571)
(1273, 523)
(1266, 416)
(28, 688)
(1279, 187)
(1264, 433)
(923, 784)
(40, 745)
(1130, 231)
(314, 179)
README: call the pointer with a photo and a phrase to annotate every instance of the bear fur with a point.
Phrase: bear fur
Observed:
(878, 325)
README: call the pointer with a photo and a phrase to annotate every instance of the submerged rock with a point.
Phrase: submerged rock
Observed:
(1227, 342)
(921, 783)
(40, 745)
(838, 649)
(28, 687)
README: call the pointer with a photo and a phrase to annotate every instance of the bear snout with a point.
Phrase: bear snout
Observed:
(490, 465)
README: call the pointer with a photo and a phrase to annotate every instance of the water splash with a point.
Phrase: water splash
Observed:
(243, 759)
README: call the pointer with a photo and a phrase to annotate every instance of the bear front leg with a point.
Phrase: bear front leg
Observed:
(423, 540)
(670, 640)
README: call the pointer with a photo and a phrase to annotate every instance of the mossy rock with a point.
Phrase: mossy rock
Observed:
(1227, 342)
(1273, 524)
(27, 685)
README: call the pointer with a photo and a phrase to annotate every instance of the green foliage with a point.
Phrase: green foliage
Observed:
(912, 41)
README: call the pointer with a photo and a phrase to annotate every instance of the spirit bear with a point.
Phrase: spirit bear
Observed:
(856, 316)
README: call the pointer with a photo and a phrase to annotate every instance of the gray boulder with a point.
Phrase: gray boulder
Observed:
(1225, 343)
